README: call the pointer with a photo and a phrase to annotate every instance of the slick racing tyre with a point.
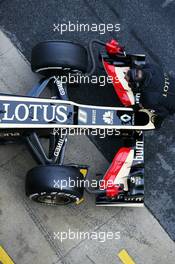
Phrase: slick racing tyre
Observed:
(54, 184)
(57, 57)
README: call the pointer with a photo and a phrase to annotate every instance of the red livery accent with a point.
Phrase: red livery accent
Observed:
(120, 90)
(112, 190)
(113, 47)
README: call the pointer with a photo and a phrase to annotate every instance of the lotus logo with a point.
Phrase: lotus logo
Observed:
(108, 117)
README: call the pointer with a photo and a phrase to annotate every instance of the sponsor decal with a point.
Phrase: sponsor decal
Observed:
(94, 114)
(139, 151)
(59, 85)
(21, 112)
(10, 134)
(58, 147)
(108, 117)
(125, 118)
(137, 98)
(166, 85)
(82, 116)
(133, 199)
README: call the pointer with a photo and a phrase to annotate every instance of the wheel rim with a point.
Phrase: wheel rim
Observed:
(54, 199)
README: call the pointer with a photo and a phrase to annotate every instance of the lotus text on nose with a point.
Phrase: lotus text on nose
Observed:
(36, 112)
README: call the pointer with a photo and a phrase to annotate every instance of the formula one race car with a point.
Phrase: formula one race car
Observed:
(31, 118)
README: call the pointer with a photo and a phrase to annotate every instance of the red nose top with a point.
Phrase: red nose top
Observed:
(113, 47)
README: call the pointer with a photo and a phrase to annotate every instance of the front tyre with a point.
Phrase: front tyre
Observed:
(59, 57)
(54, 184)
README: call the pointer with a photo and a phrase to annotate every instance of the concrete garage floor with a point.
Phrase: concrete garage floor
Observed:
(27, 229)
